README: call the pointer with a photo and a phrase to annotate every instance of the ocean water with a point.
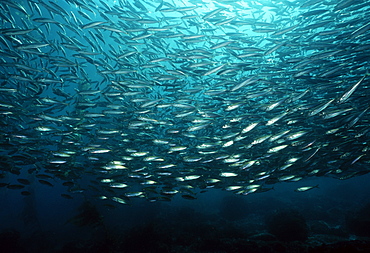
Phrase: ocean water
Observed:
(184, 126)
(217, 221)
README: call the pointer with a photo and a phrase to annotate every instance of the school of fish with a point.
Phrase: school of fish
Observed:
(124, 99)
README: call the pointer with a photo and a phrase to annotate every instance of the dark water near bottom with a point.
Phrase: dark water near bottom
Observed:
(217, 221)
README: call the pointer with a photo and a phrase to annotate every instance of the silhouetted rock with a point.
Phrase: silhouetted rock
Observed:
(9, 241)
(287, 225)
(358, 223)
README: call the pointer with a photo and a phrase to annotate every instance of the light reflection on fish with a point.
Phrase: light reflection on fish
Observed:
(151, 100)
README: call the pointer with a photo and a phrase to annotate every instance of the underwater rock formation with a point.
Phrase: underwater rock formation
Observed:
(287, 225)
(358, 223)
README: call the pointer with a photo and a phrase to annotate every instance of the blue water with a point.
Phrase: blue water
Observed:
(216, 220)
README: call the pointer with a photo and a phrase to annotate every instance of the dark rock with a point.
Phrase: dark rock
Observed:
(9, 241)
(358, 223)
(288, 225)
(343, 247)
(320, 227)
(263, 237)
